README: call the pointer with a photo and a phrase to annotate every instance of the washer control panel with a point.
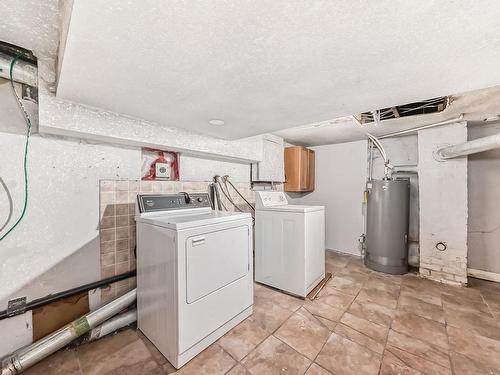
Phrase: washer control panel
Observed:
(171, 202)
(270, 199)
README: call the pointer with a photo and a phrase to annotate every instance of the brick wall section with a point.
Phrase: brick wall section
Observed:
(443, 206)
(117, 199)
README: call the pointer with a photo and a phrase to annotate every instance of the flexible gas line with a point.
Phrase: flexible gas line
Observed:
(28, 134)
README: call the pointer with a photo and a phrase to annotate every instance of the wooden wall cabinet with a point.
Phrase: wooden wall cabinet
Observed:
(299, 169)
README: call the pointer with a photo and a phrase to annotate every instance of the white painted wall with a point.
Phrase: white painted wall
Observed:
(56, 246)
(63, 209)
(194, 168)
(443, 205)
(340, 182)
(484, 210)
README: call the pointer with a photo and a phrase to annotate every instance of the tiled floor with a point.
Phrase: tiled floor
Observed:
(363, 323)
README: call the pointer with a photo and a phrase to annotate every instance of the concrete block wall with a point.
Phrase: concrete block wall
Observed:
(443, 206)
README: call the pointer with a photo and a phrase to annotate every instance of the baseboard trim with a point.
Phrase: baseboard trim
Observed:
(484, 275)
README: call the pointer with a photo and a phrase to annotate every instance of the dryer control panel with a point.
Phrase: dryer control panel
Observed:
(270, 199)
(171, 202)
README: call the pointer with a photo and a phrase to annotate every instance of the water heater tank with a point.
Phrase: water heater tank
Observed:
(387, 226)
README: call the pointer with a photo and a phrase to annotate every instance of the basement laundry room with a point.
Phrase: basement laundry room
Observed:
(249, 187)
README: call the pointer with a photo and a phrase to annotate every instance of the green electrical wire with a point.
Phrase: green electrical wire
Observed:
(28, 133)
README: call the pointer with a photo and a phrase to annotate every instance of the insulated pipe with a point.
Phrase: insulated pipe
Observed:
(32, 354)
(471, 147)
(22, 71)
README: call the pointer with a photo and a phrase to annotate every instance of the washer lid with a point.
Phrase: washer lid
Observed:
(294, 208)
(196, 219)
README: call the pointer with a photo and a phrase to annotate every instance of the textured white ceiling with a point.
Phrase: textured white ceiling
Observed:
(263, 65)
(31, 24)
(474, 106)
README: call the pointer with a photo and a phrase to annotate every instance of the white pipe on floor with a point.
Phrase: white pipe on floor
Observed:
(471, 147)
(32, 354)
(22, 71)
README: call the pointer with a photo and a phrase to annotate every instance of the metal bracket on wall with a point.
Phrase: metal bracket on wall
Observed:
(16, 306)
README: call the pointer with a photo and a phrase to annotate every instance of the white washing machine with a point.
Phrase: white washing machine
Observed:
(289, 243)
(194, 272)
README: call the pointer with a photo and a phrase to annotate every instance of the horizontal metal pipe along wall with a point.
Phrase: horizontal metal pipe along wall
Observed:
(471, 147)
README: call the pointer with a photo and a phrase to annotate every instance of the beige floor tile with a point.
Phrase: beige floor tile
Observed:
(465, 304)
(391, 365)
(336, 299)
(346, 284)
(315, 369)
(243, 338)
(238, 370)
(359, 338)
(286, 301)
(463, 365)
(319, 307)
(484, 285)
(418, 363)
(275, 357)
(336, 260)
(269, 315)
(327, 323)
(213, 360)
(375, 331)
(122, 354)
(343, 356)
(480, 349)
(421, 308)
(155, 353)
(356, 265)
(385, 283)
(478, 323)
(381, 297)
(492, 299)
(373, 312)
(426, 295)
(420, 328)
(304, 333)
(395, 279)
(419, 348)
(63, 362)
(463, 292)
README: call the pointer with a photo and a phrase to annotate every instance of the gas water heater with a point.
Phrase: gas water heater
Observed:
(387, 225)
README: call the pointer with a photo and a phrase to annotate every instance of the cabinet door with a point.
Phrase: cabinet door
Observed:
(299, 169)
(310, 170)
(304, 169)
(292, 167)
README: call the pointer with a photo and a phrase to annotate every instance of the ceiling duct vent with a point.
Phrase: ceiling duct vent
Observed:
(423, 107)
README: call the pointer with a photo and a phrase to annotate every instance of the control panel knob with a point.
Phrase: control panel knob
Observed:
(199, 199)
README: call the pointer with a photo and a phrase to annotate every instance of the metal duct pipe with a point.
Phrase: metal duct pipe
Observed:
(471, 147)
(22, 72)
(113, 324)
(32, 354)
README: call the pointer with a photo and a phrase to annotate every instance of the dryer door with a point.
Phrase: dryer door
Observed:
(214, 260)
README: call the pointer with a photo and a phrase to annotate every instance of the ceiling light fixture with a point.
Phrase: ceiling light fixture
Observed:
(216, 122)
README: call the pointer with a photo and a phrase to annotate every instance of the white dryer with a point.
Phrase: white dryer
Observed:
(194, 272)
(289, 243)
